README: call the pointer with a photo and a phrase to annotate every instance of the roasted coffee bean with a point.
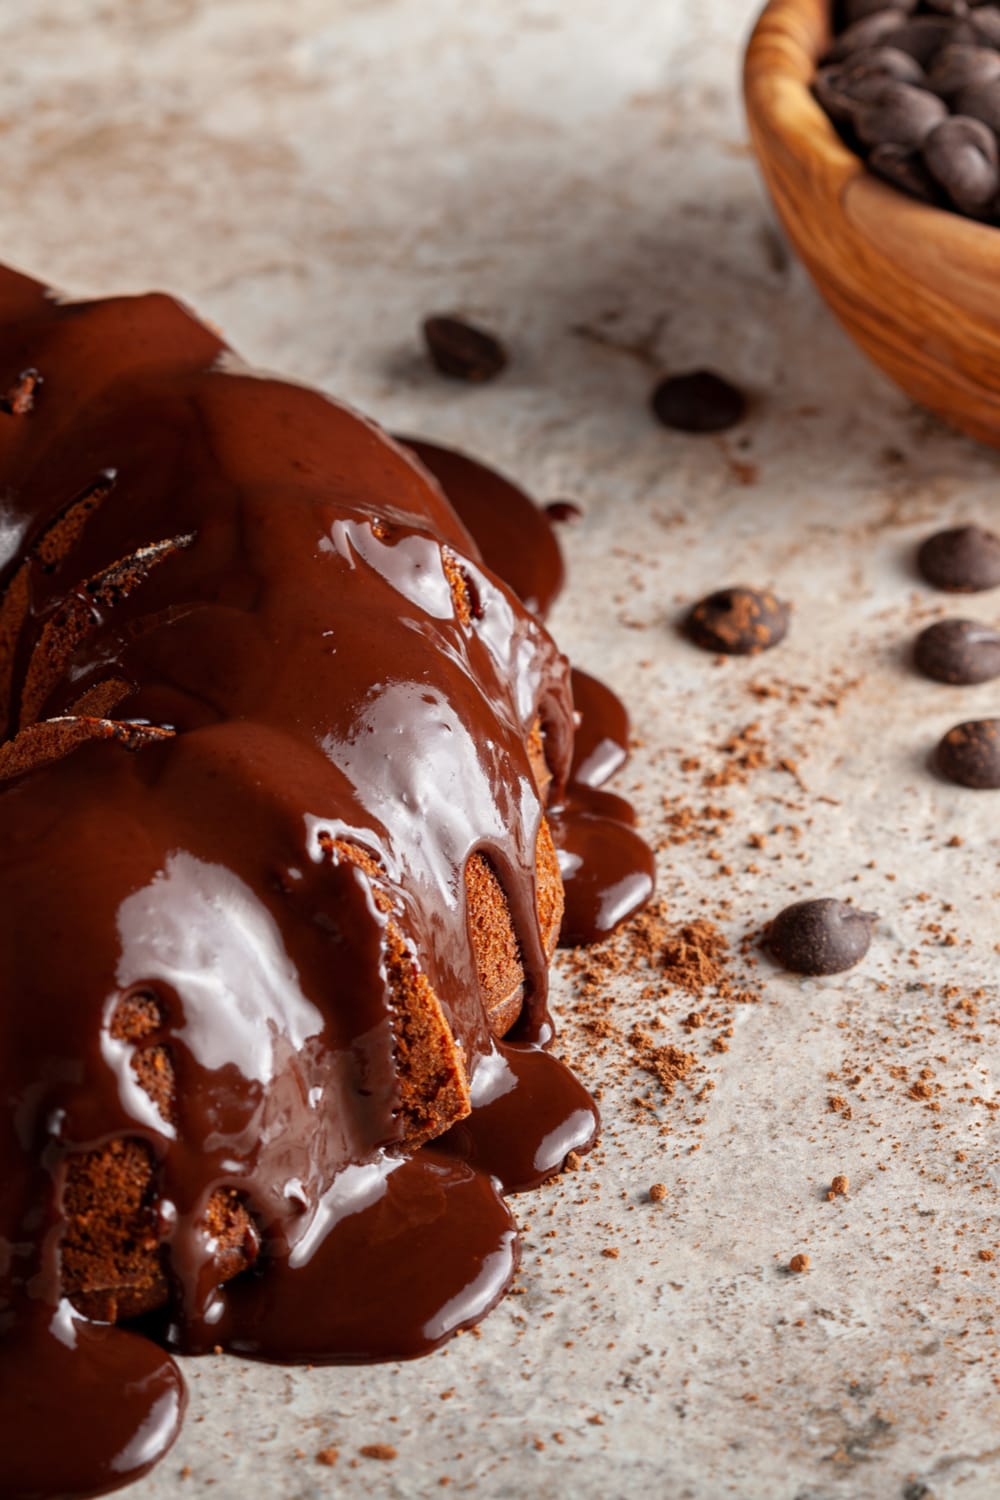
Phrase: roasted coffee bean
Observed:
(958, 651)
(899, 114)
(958, 67)
(969, 754)
(890, 63)
(962, 560)
(869, 32)
(462, 351)
(880, 76)
(961, 153)
(841, 88)
(981, 103)
(904, 169)
(699, 401)
(822, 936)
(985, 21)
(924, 36)
(857, 10)
(840, 95)
(883, 62)
(737, 622)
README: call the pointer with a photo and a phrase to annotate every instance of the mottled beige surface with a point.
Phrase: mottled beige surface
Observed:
(316, 175)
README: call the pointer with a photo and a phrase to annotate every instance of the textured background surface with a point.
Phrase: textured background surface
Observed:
(318, 174)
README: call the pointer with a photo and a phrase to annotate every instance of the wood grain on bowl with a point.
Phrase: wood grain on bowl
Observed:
(914, 286)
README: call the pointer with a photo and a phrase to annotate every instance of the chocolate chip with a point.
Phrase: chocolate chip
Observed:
(738, 622)
(462, 351)
(563, 510)
(824, 936)
(961, 153)
(957, 67)
(905, 169)
(962, 560)
(970, 754)
(699, 401)
(958, 651)
(899, 114)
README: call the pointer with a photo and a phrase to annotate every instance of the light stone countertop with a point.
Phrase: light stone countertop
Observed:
(317, 175)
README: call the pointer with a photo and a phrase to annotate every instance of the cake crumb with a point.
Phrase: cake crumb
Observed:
(328, 1457)
(384, 1451)
(838, 1187)
(799, 1263)
(658, 1192)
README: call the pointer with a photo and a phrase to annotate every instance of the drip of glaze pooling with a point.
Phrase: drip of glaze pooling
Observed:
(606, 866)
(303, 619)
(126, 1402)
(513, 534)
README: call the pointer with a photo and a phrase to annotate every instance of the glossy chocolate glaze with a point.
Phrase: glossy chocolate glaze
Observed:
(514, 535)
(607, 868)
(253, 590)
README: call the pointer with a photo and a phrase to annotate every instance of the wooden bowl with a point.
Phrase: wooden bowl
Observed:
(916, 287)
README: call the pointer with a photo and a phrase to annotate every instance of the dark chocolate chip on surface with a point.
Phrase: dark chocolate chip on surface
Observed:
(969, 754)
(563, 510)
(962, 560)
(699, 401)
(823, 936)
(958, 651)
(737, 621)
(463, 351)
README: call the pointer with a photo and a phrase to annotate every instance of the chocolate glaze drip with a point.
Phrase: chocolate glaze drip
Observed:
(607, 868)
(281, 615)
(514, 535)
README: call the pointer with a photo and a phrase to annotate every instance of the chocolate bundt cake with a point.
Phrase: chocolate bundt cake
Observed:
(275, 877)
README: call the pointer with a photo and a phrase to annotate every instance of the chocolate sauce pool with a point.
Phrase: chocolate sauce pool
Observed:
(232, 641)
